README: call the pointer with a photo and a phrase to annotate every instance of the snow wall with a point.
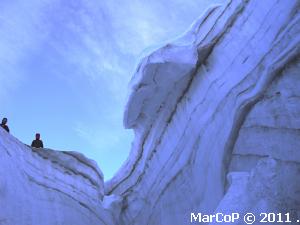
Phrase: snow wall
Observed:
(216, 116)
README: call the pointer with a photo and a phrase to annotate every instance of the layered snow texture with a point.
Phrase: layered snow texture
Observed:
(216, 116)
(217, 119)
(42, 186)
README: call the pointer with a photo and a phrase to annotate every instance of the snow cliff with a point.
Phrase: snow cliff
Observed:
(216, 116)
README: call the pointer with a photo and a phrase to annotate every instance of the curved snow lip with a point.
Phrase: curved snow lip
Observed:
(155, 76)
(158, 72)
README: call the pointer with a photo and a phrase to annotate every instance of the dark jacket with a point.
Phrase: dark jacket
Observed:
(5, 127)
(37, 144)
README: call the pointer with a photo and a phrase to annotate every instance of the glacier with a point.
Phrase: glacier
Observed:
(216, 116)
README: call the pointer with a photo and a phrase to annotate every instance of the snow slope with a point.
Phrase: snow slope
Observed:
(48, 187)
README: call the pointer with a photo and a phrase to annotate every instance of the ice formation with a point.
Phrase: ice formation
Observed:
(216, 116)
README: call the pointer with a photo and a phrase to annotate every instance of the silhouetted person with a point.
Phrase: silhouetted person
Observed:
(3, 124)
(37, 143)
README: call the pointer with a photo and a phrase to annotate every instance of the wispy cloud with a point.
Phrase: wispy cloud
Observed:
(101, 139)
(19, 35)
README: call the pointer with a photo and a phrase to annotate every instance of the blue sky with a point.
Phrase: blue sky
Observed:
(65, 68)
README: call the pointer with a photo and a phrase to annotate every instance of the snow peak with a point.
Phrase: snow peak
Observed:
(218, 217)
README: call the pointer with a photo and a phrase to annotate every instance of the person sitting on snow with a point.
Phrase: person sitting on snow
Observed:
(37, 143)
(3, 124)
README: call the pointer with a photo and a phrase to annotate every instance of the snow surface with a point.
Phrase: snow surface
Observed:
(216, 121)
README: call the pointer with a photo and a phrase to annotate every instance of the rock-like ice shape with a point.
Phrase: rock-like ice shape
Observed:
(222, 101)
(216, 116)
